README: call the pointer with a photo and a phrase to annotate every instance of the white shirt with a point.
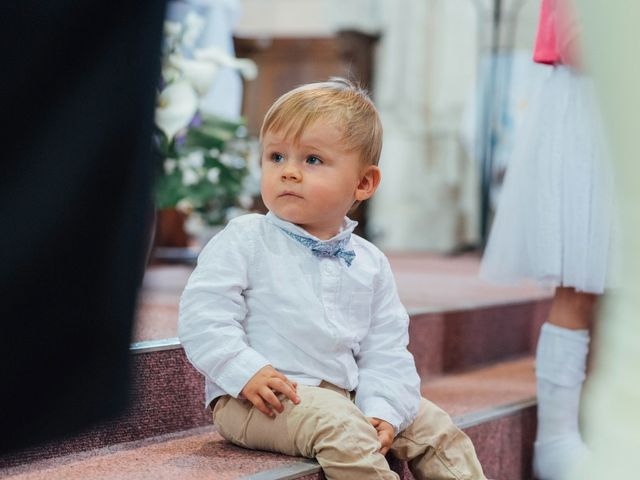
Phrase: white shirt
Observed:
(260, 297)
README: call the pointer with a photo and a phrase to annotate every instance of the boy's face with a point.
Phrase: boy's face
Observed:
(314, 183)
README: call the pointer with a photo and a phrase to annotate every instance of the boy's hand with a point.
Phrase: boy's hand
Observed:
(261, 390)
(386, 433)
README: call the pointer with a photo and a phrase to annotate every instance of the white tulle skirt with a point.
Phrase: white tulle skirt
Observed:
(554, 217)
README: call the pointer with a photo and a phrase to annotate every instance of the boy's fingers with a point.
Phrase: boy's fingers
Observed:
(260, 405)
(279, 375)
(385, 440)
(270, 398)
(286, 389)
(374, 421)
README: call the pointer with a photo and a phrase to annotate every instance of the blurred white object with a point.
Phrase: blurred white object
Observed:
(197, 69)
(612, 417)
(224, 96)
(177, 104)
(198, 73)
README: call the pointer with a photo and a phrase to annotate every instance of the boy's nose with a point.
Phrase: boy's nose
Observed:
(290, 172)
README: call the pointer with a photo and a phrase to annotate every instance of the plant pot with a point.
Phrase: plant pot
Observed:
(169, 231)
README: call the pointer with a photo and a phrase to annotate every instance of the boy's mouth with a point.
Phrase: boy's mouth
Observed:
(290, 194)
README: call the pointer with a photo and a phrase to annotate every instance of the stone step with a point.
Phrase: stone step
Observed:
(494, 404)
(167, 391)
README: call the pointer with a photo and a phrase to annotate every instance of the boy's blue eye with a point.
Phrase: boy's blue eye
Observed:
(313, 160)
(276, 157)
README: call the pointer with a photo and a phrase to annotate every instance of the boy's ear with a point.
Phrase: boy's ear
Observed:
(369, 181)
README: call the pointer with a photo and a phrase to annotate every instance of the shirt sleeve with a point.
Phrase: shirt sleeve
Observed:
(388, 383)
(213, 310)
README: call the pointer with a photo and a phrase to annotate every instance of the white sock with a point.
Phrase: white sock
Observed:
(560, 371)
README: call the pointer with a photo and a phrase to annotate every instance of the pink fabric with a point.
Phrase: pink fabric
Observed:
(557, 39)
(545, 50)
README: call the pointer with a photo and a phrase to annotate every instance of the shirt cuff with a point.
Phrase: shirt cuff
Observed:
(239, 370)
(379, 408)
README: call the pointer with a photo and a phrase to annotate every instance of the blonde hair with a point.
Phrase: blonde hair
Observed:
(339, 100)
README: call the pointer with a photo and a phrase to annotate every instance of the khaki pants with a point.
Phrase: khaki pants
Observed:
(327, 426)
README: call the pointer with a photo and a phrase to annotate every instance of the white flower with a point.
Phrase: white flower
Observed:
(195, 159)
(247, 68)
(214, 152)
(216, 55)
(170, 165)
(201, 74)
(226, 159)
(194, 224)
(172, 32)
(232, 161)
(177, 104)
(213, 175)
(233, 212)
(170, 74)
(251, 184)
(185, 206)
(245, 201)
(194, 24)
(172, 29)
(190, 177)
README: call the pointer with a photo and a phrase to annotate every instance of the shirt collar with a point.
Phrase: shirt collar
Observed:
(346, 229)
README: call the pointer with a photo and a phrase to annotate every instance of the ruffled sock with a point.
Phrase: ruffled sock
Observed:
(560, 372)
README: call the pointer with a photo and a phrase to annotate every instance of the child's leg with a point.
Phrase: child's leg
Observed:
(560, 371)
(436, 449)
(325, 425)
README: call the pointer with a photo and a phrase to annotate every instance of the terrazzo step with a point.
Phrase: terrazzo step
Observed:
(495, 405)
(167, 390)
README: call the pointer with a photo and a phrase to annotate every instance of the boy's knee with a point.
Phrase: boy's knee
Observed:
(432, 422)
(325, 420)
(340, 434)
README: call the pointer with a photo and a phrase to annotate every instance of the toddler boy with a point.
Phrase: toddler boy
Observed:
(296, 322)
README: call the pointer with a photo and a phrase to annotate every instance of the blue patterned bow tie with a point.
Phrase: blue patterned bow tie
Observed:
(325, 249)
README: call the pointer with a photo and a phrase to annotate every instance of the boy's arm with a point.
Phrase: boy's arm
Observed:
(389, 386)
(212, 309)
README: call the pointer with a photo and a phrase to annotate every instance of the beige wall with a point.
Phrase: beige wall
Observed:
(284, 17)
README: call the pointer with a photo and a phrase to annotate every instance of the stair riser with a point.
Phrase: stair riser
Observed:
(457, 340)
(505, 446)
(167, 396)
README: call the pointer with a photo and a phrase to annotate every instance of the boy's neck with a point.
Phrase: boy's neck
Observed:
(322, 233)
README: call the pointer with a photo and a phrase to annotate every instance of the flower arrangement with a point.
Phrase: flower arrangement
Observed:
(208, 163)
